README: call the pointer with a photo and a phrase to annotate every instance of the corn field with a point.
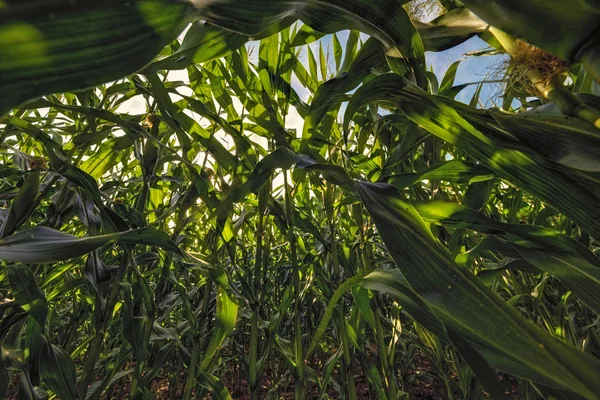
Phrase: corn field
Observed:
(275, 199)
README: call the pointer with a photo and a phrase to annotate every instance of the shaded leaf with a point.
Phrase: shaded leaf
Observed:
(27, 293)
(43, 245)
(58, 372)
(503, 337)
(41, 55)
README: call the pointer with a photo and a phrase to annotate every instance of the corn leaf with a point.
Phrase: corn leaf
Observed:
(58, 371)
(536, 22)
(545, 249)
(82, 44)
(44, 245)
(27, 293)
(505, 339)
(561, 188)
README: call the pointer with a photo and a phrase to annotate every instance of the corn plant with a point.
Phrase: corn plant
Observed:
(275, 199)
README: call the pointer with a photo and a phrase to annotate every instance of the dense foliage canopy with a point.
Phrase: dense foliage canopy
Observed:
(247, 211)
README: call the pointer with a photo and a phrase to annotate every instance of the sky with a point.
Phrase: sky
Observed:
(470, 70)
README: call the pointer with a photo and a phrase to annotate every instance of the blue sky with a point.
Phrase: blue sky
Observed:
(471, 69)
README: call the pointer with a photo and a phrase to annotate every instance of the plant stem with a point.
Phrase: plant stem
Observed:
(299, 378)
(195, 360)
(253, 384)
(346, 360)
(390, 379)
(95, 347)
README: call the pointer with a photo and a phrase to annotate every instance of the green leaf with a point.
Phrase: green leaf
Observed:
(536, 21)
(331, 306)
(545, 249)
(456, 215)
(104, 159)
(571, 142)
(203, 42)
(82, 44)
(337, 52)
(488, 275)
(226, 317)
(479, 366)
(370, 58)
(385, 20)
(27, 293)
(503, 337)
(96, 271)
(149, 237)
(323, 65)
(305, 35)
(394, 284)
(449, 77)
(456, 171)
(211, 382)
(135, 327)
(281, 158)
(471, 131)
(363, 301)
(24, 204)
(44, 245)
(450, 29)
(58, 372)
